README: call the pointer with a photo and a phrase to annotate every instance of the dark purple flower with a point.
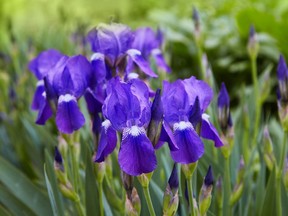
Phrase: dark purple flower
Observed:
(128, 109)
(149, 44)
(114, 41)
(184, 101)
(58, 157)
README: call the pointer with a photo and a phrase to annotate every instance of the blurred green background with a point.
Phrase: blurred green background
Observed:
(30, 26)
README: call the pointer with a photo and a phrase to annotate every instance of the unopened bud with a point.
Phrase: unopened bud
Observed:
(144, 179)
(196, 20)
(100, 171)
(238, 188)
(205, 193)
(68, 191)
(155, 125)
(269, 156)
(224, 116)
(253, 45)
(127, 181)
(188, 169)
(133, 204)
(171, 198)
(58, 160)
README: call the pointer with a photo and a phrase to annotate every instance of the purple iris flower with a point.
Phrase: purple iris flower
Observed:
(184, 103)
(67, 82)
(40, 67)
(112, 45)
(282, 74)
(128, 110)
(149, 43)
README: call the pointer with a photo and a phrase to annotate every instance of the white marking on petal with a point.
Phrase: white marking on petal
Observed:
(40, 83)
(182, 125)
(106, 124)
(133, 131)
(156, 52)
(44, 94)
(66, 98)
(97, 56)
(132, 76)
(205, 116)
(133, 52)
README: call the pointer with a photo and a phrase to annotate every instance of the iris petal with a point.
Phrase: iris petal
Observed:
(107, 143)
(38, 95)
(141, 62)
(208, 131)
(68, 116)
(45, 111)
(190, 145)
(136, 154)
(160, 61)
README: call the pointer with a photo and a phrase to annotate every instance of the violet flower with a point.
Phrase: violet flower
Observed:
(184, 106)
(149, 44)
(127, 108)
(113, 43)
(40, 67)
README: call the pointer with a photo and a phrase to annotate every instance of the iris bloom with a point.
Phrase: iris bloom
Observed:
(63, 80)
(184, 103)
(40, 67)
(149, 43)
(111, 45)
(127, 110)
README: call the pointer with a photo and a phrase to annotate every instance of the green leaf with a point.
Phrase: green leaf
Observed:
(91, 190)
(4, 212)
(23, 189)
(52, 186)
(269, 205)
(15, 206)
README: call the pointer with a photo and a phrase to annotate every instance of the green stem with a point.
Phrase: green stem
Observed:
(75, 168)
(279, 175)
(256, 99)
(101, 198)
(227, 189)
(79, 208)
(190, 195)
(200, 63)
(149, 201)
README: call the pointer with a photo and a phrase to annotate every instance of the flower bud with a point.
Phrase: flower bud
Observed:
(133, 204)
(238, 188)
(155, 125)
(253, 45)
(269, 156)
(58, 160)
(224, 116)
(144, 179)
(68, 191)
(205, 192)
(171, 198)
(127, 181)
(100, 171)
(196, 20)
(188, 169)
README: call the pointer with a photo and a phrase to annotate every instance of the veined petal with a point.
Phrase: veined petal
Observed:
(94, 106)
(189, 143)
(98, 68)
(38, 95)
(68, 117)
(136, 154)
(45, 111)
(208, 131)
(167, 135)
(160, 61)
(198, 88)
(108, 141)
(137, 58)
